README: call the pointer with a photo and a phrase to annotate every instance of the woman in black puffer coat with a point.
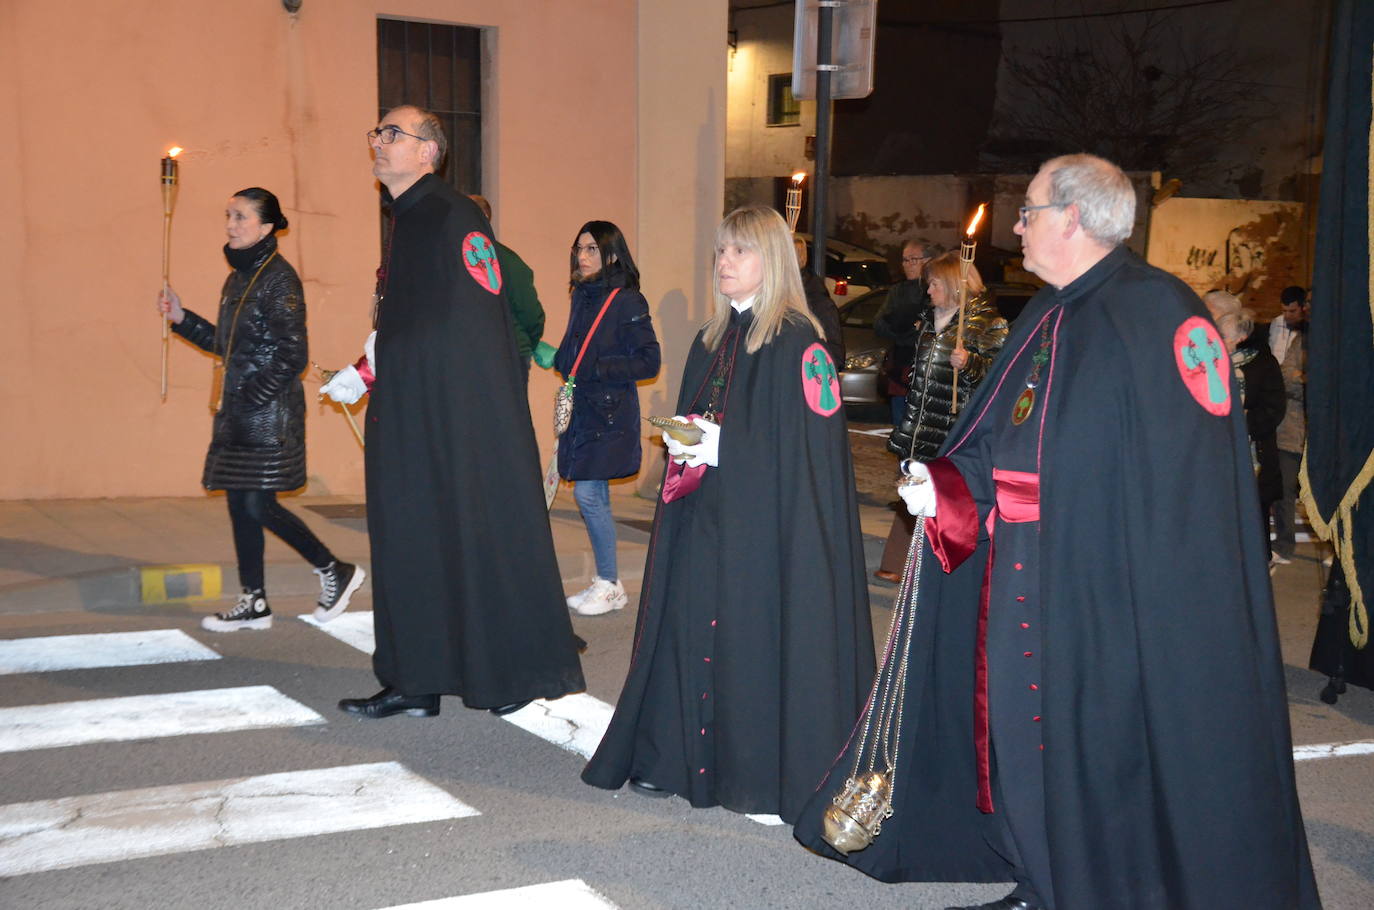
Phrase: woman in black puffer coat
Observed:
(257, 446)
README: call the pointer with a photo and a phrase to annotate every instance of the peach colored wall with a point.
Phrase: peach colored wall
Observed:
(95, 91)
(682, 70)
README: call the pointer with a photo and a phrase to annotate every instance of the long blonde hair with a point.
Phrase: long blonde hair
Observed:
(780, 296)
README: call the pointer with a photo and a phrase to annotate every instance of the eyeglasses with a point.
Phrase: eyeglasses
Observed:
(388, 134)
(590, 249)
(1025, 210)
(912, 260)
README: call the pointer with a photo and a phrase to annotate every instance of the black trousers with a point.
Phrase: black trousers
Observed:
(252, 510)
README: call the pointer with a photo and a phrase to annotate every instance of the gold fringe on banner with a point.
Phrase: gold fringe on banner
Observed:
(1339, 530)
(1338, 527)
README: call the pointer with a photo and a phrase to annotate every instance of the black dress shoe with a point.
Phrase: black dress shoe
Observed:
(388, 702)
(644, 788)
(502, 710)
(1006, 903)
(581, 644)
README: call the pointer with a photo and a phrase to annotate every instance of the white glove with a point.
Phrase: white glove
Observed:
(706, 452)
(370, 349)
(345, 387)
(917, 489)
(675, 448)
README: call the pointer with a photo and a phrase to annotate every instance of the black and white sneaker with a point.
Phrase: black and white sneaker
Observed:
(251, 612)
(338, 581)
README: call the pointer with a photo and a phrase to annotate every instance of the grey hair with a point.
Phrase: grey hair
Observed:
(430, 129)
(929, 247)
(1100, 189)
(1232, 319)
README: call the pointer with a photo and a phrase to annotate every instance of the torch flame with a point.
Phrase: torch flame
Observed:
(174, 151)
(798, 177)
(973, 225)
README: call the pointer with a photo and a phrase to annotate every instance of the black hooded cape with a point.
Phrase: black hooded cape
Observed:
(1167, 755)
(753, 647)
(465, 586)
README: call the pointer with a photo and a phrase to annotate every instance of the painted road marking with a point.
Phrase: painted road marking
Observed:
(132, 824)
(1333, 750)
(353, 629)
(134, 717)
(109, 649)
(572, 894)
(574, 722)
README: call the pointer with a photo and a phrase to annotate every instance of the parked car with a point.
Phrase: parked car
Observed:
(865, 350)
(851, 271)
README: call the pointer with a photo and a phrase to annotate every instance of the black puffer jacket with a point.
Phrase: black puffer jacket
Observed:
(258, 441)
(928, 417)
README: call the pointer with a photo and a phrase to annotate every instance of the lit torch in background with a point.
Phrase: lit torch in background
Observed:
(966, 248)
(794, 200)
(169, 198)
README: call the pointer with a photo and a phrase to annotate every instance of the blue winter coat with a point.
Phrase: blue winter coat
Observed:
(602, 442)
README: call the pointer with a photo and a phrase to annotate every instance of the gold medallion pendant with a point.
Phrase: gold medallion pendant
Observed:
(1025, 403)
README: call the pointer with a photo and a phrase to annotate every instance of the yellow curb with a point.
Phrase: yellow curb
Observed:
(165, 584)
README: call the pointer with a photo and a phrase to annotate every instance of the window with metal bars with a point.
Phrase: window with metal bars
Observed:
(437, 67)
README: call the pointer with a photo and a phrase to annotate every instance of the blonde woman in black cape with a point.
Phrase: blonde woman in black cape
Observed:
(753, 650)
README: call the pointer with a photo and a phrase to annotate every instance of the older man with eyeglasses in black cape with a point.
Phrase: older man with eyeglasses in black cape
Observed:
(1095, 702)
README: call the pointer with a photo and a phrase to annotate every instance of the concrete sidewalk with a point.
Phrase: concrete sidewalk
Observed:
(120, 554)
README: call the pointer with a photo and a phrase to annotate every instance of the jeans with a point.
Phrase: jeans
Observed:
(252, 510)
(594, 501)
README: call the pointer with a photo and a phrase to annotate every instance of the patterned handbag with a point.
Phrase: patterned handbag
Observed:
(563, 398)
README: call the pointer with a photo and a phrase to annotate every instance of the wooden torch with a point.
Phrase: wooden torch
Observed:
(169, 198)
(966, 250)
(793, 204)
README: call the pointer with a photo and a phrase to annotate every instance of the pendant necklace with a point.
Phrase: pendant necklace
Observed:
(1025, 402)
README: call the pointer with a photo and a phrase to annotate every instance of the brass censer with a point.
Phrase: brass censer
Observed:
(689, 434)
(856, 813)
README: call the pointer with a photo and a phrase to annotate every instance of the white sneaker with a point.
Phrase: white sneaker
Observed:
(251, 612)
(602, 597)
(575, 600)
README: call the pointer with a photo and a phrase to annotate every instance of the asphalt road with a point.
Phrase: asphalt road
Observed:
(474, 804)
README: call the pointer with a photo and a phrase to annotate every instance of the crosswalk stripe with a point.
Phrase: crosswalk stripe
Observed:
(1333, 750)
(133, 717)
(573, 722)
(353, 629)
(108, 649)
(571, 894)
(132, 824)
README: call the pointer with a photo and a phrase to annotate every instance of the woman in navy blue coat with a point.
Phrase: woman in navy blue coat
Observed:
(602, 442)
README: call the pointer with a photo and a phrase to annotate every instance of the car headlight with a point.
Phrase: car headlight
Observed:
(863, 360)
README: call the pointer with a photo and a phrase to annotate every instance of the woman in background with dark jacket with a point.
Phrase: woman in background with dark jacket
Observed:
(1262, 394)
(929, 408)
(257, 446)
(602, 441)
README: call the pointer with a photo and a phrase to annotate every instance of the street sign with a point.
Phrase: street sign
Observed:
(851, 54)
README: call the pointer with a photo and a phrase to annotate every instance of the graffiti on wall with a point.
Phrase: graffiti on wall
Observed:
(1252, 248)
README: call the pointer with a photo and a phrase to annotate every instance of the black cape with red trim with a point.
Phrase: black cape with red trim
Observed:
(1168, 760)
(753, 646)
(466, 593)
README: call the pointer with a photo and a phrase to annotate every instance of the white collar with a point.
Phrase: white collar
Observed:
(742, 305)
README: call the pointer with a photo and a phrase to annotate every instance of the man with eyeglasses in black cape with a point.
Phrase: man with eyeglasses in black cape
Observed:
(1094, 703)
(466, 593)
